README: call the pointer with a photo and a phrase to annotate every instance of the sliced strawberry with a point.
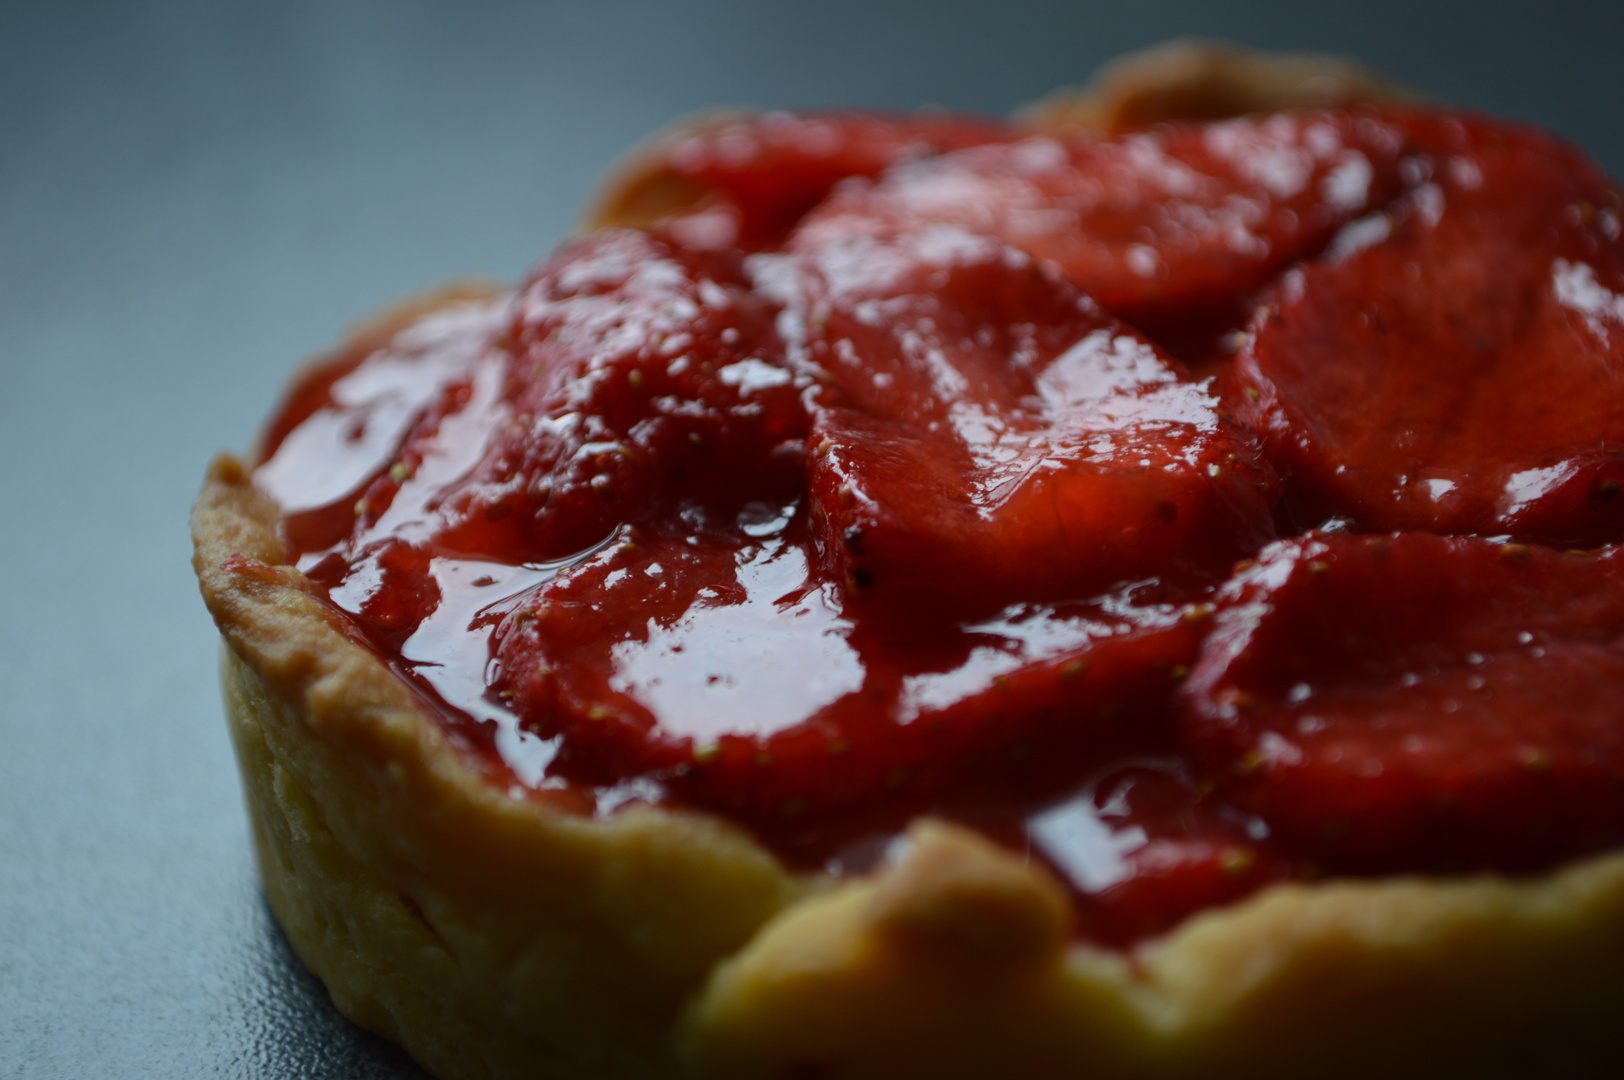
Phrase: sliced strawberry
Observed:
(746, 182)
(333, 460)
(389, 590)
(1453, 364)
(641, 374)
(1172, 228)
(712, 658)
(1142, 848)
(1418, 702)
(989, 435)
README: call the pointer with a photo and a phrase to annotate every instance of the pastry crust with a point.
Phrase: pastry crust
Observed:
(500, 933)
(1207, 80)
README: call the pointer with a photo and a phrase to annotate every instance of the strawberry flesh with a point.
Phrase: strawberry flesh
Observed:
(1452, 363)
(1144, 848)
(1418, 702)
(754, 178)
(1171, 229)
(725, 668)
(640, 373)
(985, 424)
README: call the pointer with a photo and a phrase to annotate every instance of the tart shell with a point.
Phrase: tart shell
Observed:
(495, 934)
(499, 932)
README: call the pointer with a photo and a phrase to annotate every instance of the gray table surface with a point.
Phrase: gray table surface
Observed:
(194, 195)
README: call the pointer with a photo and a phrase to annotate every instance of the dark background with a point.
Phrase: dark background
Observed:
(195, 195)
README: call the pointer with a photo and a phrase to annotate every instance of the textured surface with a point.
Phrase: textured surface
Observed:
(194, 195)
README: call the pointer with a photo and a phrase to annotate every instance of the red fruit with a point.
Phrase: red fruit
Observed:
(641, 374)
(1172, 228)
(389, 589)
(710, 657)
(1419, 702)
(1453, 364)
(1142, 848)
(988, 435)
(335, 461)
(754, 178)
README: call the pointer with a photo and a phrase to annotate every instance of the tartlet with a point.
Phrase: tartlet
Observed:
(496, 926)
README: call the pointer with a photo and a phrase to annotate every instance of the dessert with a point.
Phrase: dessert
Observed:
(1112, 595)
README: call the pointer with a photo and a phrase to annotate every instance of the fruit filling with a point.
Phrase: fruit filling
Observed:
(1188, 508)
(1453, 362)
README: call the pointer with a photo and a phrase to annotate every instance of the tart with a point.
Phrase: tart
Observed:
(1126, 593)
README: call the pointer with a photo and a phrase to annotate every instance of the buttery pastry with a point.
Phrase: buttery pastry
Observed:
(1128, 593)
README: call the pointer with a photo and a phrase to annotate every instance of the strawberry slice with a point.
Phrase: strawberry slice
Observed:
(989, 435)
(1172, 228)
(388, 589)
(745, 182)
(1143, 848)
(708, 655)
(1417, 702)
(640, 374)
(1452, 364)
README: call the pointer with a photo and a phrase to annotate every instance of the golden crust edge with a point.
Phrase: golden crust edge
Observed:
(1193, 79)
(1400, 977)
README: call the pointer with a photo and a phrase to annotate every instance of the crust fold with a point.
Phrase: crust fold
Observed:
(1400, 978)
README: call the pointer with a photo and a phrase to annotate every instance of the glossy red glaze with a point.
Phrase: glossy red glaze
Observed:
(639, 374)
(886, 512)
(756, 176)
(1455, 363)
(1171, 229)
(750, 684)
(1420, 702)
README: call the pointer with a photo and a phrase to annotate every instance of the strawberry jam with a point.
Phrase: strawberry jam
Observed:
(1046, 484)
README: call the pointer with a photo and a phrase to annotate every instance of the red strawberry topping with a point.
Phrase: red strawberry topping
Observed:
(1171, 228)
(1144, 848)
(1419, 702)
(988, 426)
(842, 495)
(1453, 363)
(724, 668)
(746, 182)
(641, 374)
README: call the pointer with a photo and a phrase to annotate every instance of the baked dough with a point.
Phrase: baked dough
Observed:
(497, 933)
